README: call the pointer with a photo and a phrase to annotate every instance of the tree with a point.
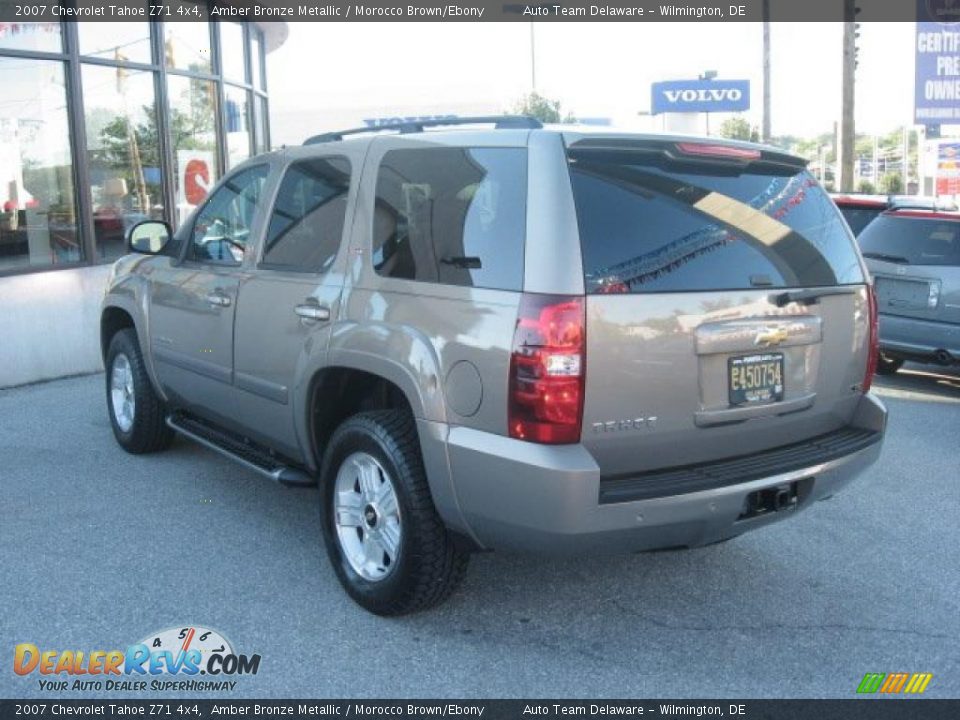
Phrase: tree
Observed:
(737, 128)
(866, 187)
(891, 184)
(542, 108)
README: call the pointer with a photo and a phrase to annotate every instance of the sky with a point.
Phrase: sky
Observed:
(329, 76)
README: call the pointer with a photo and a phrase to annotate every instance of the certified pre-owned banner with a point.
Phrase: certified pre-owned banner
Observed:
(488, 709)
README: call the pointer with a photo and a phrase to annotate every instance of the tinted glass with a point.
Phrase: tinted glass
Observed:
(306, 225)
(664, 227)
(858, 217)
(223, 225)
(38, 210)
(122, 153)
(455, 216)
(917, 241)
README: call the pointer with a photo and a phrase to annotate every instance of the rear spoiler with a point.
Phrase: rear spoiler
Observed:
(689, 150)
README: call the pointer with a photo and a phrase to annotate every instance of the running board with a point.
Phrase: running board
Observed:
(250, 456)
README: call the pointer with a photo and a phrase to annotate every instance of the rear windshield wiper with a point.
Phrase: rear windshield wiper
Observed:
(810, 295)
(887, 258)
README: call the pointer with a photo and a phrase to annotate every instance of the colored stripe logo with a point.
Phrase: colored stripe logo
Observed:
(894, 683)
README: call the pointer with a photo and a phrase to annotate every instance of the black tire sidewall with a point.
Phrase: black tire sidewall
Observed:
(359, 434)
(125, 342)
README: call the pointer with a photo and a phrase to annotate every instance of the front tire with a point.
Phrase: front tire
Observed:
(137, 413)
(387, 544)
(887, 365)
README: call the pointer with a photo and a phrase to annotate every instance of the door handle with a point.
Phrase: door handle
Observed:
(312, 311)
(218, 299)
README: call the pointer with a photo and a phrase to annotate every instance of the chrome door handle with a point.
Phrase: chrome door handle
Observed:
(218, 299)
(311, 311)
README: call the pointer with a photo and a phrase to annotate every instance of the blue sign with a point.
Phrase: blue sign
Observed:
(686, 96)
(937, 47)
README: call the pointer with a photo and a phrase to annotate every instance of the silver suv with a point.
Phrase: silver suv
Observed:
(512, 338)
(914, 256)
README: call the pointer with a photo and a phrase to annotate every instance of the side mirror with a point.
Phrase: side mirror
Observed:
(149, 237)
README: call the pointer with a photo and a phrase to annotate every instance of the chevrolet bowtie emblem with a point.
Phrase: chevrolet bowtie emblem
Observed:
(770, 336)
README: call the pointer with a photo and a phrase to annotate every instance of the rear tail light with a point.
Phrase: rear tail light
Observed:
(873, 352)
(547, 370)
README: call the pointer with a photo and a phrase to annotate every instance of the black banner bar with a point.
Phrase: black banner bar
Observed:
(461, 10)
(857, 709)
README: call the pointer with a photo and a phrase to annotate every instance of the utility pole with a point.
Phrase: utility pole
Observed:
(533, 59)
(766, 72)
(848, 79)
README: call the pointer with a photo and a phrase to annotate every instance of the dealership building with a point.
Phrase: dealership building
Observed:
(103, 125)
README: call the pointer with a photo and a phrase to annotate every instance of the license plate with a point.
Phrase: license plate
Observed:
(756, 379)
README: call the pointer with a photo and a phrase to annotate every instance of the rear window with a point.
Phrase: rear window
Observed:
(651, 225)
(917, 241)
(859, 216)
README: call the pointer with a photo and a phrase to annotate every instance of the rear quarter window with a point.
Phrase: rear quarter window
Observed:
(649, 225)
(453, 216)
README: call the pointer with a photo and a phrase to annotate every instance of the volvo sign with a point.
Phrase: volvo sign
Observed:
(692, 96)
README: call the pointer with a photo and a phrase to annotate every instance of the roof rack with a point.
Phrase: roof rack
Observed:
(500, 122)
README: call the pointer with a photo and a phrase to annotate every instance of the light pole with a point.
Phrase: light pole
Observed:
(533, 59)
(708, 75)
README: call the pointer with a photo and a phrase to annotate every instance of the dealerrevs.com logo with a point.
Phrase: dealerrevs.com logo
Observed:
(181, 659)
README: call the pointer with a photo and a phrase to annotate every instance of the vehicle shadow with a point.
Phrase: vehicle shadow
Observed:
(932, 381)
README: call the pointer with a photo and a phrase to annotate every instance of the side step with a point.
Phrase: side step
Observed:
(233, 447)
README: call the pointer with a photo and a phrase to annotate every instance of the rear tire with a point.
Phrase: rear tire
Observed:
(887, 365)
(137, 413)
(387, 544)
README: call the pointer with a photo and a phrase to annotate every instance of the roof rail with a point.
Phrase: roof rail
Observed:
(500, 122)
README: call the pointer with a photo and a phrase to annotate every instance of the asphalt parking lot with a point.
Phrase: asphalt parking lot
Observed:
(98, 549)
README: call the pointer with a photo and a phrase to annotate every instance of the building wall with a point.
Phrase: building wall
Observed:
(50, 324)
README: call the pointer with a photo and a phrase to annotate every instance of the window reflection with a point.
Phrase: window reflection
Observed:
(238, 124)
(194, 139)
(38, 36)
(232, 57)
(260, 124)
(256, 58)
(187, 44)
(38, 223)
(118, 41)
(123, 152)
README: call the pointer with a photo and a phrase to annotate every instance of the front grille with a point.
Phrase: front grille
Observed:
(731, 471)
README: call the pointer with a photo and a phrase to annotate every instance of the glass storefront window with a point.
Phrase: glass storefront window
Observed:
(193, 123)
(38, 216)
(260, 124)
(187, 44)
(123, 153)
(119, 41)
(232, 57)
(237, 103)
(37, 36)
(256, 57)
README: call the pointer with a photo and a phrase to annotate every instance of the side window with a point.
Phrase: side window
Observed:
(455, 216)
(306, 225)
(222, 227)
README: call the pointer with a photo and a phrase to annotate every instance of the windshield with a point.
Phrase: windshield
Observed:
(912, 240)
(652, 225)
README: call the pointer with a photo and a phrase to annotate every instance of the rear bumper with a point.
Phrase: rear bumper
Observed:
(546, 499)
(914, 339)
